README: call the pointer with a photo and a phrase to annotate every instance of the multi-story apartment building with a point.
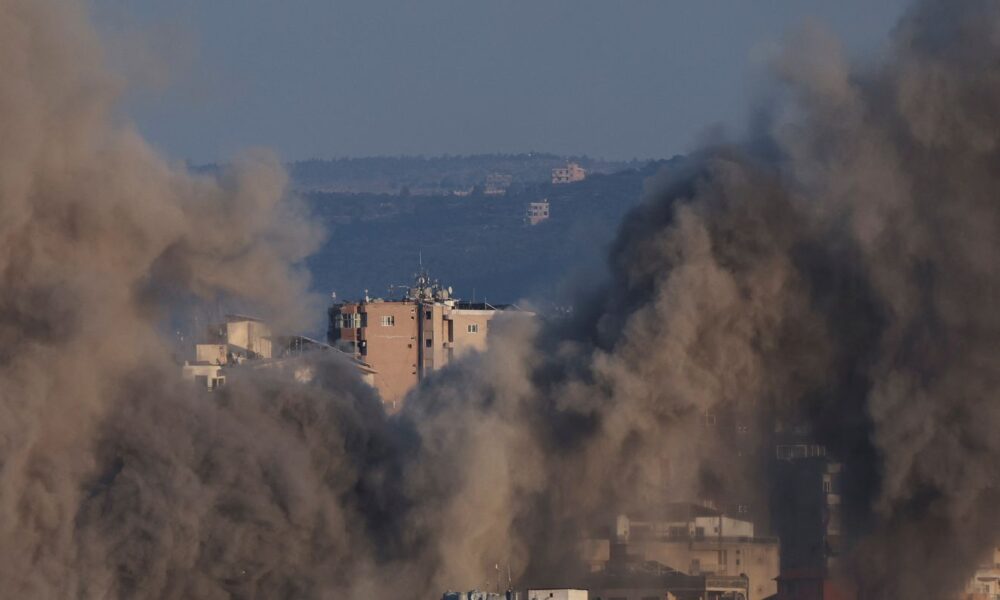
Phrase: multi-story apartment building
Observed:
(404, 340)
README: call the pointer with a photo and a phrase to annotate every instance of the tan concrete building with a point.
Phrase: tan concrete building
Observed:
(568, 174)
(381, 333)
(404, 340)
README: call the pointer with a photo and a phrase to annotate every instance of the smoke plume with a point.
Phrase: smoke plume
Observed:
(837, 269)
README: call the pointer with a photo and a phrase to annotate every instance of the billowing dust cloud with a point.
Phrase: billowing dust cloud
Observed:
(838, 269)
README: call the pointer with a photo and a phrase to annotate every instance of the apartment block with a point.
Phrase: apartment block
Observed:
(404, 340)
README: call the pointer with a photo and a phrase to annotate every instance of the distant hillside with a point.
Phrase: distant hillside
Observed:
(434, 175)
(440, 175)
(478, 244)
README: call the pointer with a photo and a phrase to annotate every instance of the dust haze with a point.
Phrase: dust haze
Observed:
(838, 268)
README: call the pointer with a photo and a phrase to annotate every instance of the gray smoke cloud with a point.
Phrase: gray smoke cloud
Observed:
(838, 268)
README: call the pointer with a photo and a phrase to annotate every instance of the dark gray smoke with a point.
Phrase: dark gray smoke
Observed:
(838, 269)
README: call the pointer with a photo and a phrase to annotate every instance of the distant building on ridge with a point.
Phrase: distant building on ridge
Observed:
(497, 184)
(568, 174)
(537, 212)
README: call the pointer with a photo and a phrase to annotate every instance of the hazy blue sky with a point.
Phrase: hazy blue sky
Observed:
(326, 78)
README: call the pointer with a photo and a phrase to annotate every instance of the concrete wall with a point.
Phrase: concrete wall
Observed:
(433, 337)
(724, 526)
(463, 340)
(210, 353)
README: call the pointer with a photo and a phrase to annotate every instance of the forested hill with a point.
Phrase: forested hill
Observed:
(479, 244)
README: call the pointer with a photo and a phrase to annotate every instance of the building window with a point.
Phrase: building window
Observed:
(430, 343)
(428, 314)
(347, 321)
(388, 320)
(474, 328)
